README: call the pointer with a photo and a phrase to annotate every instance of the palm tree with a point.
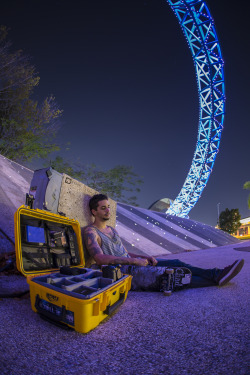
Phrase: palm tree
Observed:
(247, 187)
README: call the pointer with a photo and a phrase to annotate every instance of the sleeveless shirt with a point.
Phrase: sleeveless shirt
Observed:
(112, 246)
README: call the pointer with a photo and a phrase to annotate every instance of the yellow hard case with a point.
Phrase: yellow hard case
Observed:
(79, 301)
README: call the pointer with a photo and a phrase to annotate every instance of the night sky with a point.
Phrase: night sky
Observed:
(124, 76)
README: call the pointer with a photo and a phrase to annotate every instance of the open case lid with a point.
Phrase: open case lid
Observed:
(45, 241)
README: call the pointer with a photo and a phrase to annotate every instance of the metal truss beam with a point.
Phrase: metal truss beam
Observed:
(198, 27)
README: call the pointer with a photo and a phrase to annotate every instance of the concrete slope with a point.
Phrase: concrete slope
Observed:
(148, 232)
(15, 181)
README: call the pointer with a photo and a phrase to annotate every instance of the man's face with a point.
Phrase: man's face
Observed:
(103, 210)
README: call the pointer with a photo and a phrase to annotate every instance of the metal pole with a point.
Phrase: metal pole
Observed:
(218, 215)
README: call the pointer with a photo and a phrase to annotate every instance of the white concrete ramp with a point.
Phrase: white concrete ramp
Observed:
(14, 184)
(139, 228)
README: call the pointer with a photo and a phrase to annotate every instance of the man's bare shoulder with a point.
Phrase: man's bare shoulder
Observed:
(90, 234)
(92, 241)
(89, 229)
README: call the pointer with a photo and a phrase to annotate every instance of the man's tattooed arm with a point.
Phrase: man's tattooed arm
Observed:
(92, 242)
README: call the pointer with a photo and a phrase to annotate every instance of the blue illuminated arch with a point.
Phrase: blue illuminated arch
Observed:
(198, 27)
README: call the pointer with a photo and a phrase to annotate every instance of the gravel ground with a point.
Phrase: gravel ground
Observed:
(197, 331)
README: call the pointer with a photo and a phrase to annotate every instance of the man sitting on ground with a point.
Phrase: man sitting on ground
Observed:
(105, 247)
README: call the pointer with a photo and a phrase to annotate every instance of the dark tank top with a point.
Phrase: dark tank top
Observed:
(112, 246)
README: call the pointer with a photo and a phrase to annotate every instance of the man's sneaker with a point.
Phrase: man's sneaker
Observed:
(229, 272)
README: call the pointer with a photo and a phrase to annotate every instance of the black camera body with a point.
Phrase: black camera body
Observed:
(112, 272)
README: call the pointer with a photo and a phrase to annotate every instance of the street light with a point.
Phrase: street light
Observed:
(218, 213)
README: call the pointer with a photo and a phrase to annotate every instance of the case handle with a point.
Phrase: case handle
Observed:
(48, 314)
(110, 309)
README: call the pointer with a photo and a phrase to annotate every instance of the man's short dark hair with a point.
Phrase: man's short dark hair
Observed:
(93, 202)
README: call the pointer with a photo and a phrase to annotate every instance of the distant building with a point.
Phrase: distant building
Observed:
(162, 205)
(244, 231)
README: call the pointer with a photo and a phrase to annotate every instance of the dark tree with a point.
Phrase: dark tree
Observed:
(118, 182)
(27, 128)
(229, 220)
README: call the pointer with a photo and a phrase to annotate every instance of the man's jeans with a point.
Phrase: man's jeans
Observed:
(200, 277)
(144, 278)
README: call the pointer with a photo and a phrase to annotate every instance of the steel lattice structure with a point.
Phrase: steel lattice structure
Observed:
(198, 27)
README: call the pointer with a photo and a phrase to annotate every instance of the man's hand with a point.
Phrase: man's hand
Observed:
(140, 262)
(152, 261)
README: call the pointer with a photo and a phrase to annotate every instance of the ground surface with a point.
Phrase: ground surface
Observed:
(196, 331)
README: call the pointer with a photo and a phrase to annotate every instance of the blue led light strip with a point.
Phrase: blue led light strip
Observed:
(198, 27)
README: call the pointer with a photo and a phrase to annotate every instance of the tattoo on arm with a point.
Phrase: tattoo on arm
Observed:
(91, 241)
